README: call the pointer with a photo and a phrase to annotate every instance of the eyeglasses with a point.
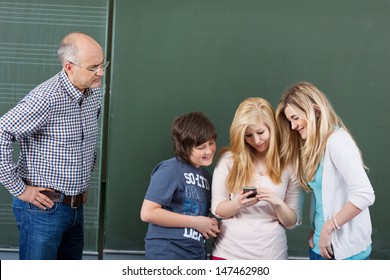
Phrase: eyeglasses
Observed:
(94, 69)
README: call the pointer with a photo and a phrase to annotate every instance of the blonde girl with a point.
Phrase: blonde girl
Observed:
(254, 228)
(327, 162)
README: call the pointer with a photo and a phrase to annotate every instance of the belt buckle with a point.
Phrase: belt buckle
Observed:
(71, 202)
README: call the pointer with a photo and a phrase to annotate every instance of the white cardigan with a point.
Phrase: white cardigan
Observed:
(344, 179)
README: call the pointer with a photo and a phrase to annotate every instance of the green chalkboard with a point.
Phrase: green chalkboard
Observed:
(176, 56)
(30, 34)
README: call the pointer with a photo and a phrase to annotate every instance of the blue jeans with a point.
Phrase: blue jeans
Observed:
(314, 256)
(55, 233)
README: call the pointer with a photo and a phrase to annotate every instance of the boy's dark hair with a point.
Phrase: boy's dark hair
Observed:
(191, 130)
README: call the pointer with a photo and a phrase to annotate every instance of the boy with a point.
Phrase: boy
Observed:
(177, 201)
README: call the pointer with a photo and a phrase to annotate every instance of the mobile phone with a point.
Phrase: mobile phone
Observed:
(250, 188)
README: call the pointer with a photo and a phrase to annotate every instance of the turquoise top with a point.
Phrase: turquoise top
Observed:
(316, 186)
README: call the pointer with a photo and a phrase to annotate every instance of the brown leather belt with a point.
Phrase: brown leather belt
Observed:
(74, 201)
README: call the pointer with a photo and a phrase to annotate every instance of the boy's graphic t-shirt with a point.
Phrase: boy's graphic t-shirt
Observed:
(181, 188)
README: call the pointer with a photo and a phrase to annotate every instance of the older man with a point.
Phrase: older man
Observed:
(56, 125)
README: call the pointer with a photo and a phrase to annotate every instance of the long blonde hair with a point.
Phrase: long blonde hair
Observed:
(251, 111)
(315, 108)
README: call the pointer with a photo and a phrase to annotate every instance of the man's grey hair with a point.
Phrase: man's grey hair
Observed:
(68, 49)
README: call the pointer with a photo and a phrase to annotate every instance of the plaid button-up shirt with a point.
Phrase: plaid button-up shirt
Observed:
(56, 126)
